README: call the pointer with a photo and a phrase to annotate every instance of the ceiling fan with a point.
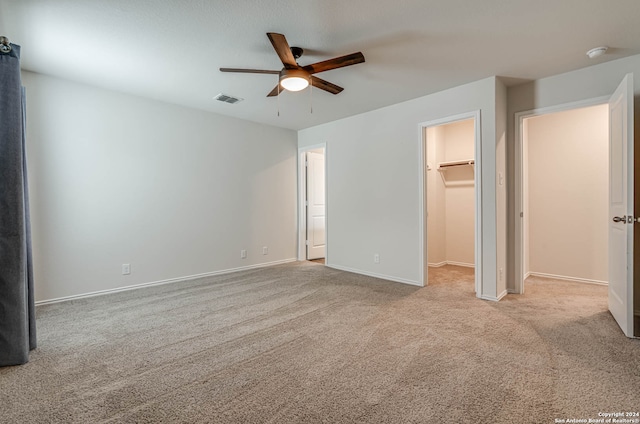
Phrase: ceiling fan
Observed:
(294, 77)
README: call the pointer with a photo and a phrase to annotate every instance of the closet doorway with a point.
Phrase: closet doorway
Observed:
(452, 198)
(565, 195)
(619, 257)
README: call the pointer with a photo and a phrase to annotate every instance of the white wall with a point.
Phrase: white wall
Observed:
(568, 195)
(172, 191)
(500, 184)
(526, 236)
(436, 200)
(374, 183)
(451, 219)
(459, 139)
(587, 83)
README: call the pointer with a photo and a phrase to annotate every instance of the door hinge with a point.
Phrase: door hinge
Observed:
(306, 203)
(306, 242)
(521, 214)
(306, 163)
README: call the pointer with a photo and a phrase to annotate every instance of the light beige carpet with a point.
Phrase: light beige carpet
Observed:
(303, 343)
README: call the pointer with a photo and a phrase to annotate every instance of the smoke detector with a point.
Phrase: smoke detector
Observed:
(596, 52)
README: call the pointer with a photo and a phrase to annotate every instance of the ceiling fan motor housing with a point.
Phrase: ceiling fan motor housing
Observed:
(293, 73)
(297, 52)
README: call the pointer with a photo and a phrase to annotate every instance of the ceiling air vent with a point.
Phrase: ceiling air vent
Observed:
(227, 99)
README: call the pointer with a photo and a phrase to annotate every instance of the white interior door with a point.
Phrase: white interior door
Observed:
(315, 206)
(621, 214)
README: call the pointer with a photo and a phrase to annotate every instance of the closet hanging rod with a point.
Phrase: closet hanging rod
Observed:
(456, 163)
(5, 46)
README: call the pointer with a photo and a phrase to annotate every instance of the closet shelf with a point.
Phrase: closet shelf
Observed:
(443, 166)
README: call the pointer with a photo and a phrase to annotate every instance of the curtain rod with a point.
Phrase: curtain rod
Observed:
(5, 46)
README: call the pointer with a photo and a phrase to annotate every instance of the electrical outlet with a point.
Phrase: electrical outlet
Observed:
(501, 274)
(376, 258)
(265, 250)
(126, 269)
(243, 254)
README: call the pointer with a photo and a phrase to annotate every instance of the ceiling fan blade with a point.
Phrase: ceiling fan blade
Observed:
(325, 85)
(338, 62)
(283, 50)
(249, 71)
(276, 90)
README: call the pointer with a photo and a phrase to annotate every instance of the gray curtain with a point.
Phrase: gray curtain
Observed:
(17, 311)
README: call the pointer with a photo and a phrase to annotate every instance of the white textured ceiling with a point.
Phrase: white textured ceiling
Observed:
(171, 50)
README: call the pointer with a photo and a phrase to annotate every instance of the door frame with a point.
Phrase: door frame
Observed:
(302, 196)
(475, 115)
(518, 216)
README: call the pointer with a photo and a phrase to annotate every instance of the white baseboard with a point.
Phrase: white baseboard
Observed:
(466, 265)
(494, 299)
(567, 278)
(161, 282)
(373, 274)
(443, 263)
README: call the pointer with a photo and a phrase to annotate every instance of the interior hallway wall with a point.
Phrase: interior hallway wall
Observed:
(174, 192)
(568, 172)
(374, 183)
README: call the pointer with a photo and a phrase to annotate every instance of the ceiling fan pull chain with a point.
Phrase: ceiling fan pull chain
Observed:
(278, 100)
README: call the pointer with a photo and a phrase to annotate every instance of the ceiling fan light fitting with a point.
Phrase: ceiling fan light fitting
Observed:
(294, 79)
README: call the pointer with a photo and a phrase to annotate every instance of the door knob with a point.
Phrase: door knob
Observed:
(622, 219)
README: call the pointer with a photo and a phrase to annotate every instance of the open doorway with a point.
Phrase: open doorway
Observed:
(452, 193)
(620, 219)
(565, 195)
(313, 231)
